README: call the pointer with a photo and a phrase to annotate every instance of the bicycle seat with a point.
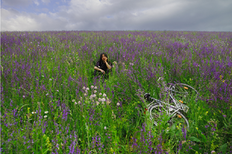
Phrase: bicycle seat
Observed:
(147, 96)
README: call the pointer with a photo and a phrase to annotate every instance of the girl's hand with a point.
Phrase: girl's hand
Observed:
(105, 59)
(103, 71)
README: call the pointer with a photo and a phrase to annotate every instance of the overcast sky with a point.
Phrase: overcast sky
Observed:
(98, 15)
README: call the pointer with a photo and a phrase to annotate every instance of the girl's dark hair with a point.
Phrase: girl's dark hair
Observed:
(101, 62)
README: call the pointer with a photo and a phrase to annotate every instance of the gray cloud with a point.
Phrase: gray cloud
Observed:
(197, 15)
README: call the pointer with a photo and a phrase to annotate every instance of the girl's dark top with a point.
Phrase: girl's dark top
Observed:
(103, 67)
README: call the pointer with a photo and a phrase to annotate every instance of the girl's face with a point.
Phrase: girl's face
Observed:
(103, 57)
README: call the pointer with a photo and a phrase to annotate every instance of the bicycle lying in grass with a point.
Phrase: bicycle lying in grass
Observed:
(179, 94)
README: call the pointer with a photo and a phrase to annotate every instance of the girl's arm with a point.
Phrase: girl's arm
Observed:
(96, 68)
(108, 66)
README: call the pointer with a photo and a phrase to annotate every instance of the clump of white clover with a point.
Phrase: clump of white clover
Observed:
(94, 96)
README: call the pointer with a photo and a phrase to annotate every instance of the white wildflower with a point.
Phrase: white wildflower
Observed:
(103, 99)
(75, 103)
(92, 87)
(79, 102)
(73, 100)
(118, 104)
(104, 95)
(95, 91)
(45, 116)
(100, 94)
(108, 102)
(91, 96)
(99, 99)
(85, 94)
(95, 87)
(105, 127)
(46, 112)
(33, 112)
(97, 102)
(83, 88)
(87, 88)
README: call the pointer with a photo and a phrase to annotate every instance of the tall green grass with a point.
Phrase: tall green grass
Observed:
(68, 120)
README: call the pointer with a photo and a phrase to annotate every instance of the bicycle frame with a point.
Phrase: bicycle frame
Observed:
(178, 106)
(170, 109)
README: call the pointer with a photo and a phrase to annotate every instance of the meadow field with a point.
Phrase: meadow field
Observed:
(51, 103)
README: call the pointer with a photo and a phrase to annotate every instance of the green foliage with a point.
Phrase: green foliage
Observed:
(60, 77)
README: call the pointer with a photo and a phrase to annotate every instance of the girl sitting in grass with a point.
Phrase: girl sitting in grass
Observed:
(103, 67)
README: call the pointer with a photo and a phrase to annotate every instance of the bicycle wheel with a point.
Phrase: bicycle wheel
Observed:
(179, 120)
(183, 93)
(158, 112)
